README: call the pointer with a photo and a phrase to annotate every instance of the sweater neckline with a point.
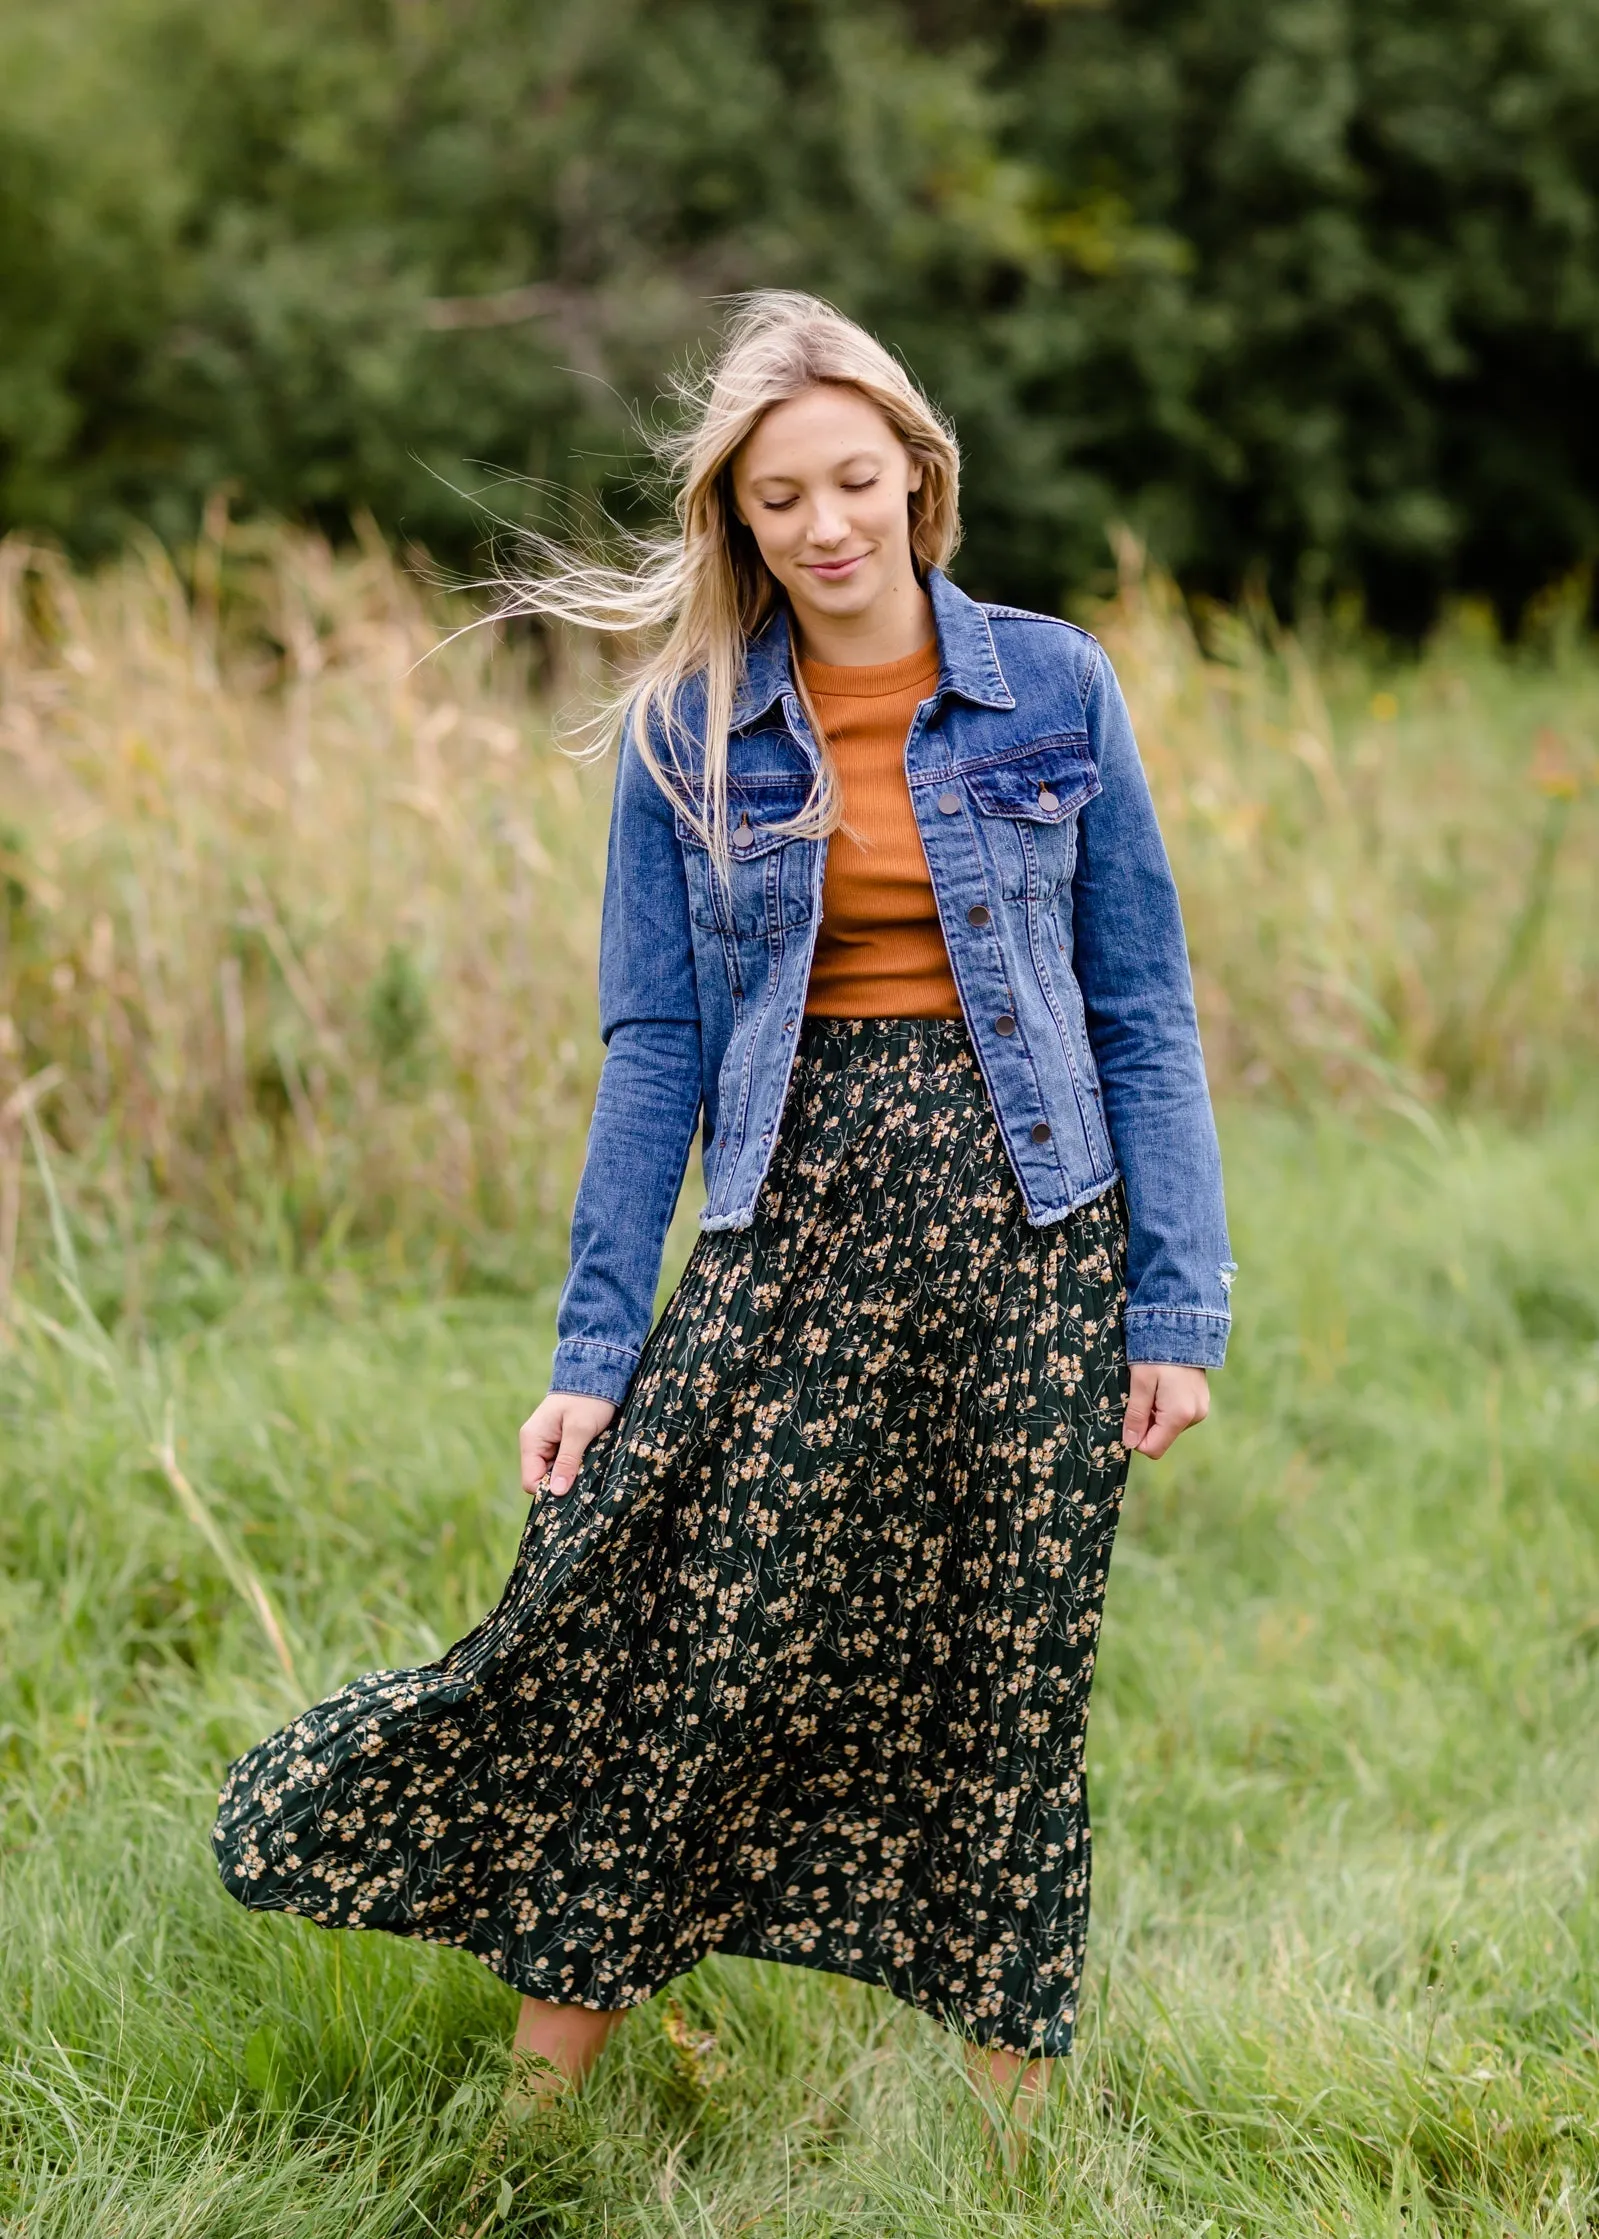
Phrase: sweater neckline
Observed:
(874, 681)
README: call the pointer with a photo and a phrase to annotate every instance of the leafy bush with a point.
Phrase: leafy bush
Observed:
(1300, 284)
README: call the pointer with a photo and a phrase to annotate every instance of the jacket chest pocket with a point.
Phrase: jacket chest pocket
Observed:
(768, 883)
(1027, 809)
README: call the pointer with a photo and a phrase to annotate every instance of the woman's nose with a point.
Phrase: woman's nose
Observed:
(827, 527)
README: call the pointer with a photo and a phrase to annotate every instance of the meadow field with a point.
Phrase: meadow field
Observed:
(297, 936)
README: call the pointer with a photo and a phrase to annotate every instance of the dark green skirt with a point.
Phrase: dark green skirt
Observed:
(800, 1667)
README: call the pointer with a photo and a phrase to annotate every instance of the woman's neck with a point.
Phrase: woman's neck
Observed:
(893, 627)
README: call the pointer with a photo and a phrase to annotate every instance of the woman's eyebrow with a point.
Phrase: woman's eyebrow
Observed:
(839, 466)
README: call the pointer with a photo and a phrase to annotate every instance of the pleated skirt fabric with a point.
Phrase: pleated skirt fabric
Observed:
(800, 1667)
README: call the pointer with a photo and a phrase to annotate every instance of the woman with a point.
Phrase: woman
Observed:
(795, 1658)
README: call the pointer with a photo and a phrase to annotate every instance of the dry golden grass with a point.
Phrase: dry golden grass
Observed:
(301, 911)
(298, 911)
(1389, 873)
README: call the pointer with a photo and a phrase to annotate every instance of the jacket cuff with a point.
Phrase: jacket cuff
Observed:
(593, 1370)
(1179, 1336)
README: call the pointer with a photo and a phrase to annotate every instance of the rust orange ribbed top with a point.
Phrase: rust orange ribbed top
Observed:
(880, 951)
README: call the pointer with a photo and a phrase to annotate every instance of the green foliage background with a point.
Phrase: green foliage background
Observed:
(1308, 285)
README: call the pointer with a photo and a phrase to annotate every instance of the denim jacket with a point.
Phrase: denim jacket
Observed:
(1064, 937)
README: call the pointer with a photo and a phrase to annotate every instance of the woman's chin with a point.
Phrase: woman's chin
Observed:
(841, 601)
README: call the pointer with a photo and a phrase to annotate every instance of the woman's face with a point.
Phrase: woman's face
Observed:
(824, 485)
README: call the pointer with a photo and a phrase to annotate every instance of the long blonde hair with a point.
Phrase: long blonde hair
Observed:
(698, 597)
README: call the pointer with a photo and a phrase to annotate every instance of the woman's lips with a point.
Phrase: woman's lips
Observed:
(833, 571)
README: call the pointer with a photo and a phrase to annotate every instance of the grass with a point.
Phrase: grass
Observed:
(296, 957)
(298, 911)
(298, 917)
(1345, 1944)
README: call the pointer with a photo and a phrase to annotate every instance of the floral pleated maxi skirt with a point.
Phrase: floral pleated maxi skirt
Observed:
(799, 1669)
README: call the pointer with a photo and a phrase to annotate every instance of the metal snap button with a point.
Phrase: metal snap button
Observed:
(978, 914)
(1004, 1024)
(1047, 800)
(745, 835)
(1041, 1131)
(949, 804)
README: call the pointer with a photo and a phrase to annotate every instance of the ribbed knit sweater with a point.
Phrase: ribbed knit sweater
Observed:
(880, 951)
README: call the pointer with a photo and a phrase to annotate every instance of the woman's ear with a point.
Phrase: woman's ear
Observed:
(913, 481)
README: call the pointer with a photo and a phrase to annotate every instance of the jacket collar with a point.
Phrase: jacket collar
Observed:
(968, 665)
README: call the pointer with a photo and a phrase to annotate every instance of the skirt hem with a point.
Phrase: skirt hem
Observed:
(989, 2036)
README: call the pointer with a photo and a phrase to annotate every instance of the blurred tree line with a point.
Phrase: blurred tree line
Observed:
(1308, 287)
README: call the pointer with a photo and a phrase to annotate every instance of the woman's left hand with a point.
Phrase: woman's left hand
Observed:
(1163, 1400)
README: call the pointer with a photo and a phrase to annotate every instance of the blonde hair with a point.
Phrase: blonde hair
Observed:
(702, 594)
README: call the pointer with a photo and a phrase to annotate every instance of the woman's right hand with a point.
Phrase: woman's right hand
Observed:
(555, 1437)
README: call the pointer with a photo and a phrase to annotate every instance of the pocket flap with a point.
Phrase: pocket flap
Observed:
(1041, 784)
(760, 815)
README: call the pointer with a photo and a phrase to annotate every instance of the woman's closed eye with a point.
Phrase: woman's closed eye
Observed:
(785, 505)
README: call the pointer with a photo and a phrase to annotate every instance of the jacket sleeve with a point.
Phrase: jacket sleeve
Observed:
(1131, 961)
(648, 1099)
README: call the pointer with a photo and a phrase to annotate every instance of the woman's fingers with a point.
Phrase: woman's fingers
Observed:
(563, 1470)
(539, 1448)
(1163, 1400)
(1140, 1406)
(555, 1438)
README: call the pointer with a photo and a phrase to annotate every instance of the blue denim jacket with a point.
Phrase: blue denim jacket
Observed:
(1065, 940)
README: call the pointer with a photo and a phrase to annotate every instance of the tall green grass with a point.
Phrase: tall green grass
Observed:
(1345, 1943)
